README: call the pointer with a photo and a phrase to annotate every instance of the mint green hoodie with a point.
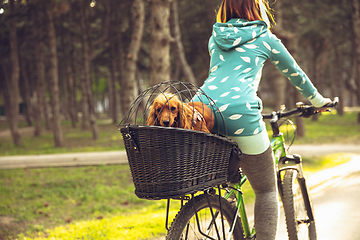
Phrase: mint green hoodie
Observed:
(238, 50)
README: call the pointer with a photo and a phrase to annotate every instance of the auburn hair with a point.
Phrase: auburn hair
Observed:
(246, 9)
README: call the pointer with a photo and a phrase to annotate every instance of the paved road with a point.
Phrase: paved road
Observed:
(64, 160)
(119, 157)
(337, 210)
(308, 150)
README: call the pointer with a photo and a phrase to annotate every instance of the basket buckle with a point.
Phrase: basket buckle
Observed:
(128, 136)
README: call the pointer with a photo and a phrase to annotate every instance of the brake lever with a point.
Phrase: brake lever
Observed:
(334, 103)
(308, 111)
(326, 107)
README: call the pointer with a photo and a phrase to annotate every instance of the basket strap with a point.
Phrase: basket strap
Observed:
(133, 144)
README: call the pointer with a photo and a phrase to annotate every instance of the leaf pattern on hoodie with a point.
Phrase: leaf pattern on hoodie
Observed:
(241, 48)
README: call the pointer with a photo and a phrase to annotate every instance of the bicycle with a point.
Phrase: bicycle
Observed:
(192, 166)
(211, 216)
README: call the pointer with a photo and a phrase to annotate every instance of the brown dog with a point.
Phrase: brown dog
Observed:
(168, 111)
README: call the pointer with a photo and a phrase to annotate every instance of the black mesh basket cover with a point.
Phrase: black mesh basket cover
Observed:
(168, 162)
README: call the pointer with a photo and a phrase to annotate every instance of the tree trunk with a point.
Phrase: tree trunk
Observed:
(279, 80)
(129, 84)
(160, 41)
(179, 48)
(72, 97)
(86, 80)
(84, 103)
(313, 74)
(355, 16)
(54, 80)
(38, 18)
(292, 45)
(121, 68)
(112, 84)
(25, 91)
(351, 82)
(337, 79)
(13, 110)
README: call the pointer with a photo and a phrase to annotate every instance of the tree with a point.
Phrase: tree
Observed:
(12, 110)
(355, 16)
(54, 77)
(128, 83)
(25, 91)
(160, 41)
(88, 100)
(39, 109)
(178, 46)
(112, 83)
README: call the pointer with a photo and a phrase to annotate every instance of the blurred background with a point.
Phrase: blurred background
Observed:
(82, 60)
(70, 69)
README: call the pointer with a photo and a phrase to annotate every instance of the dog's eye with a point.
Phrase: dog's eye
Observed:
(158, 110)
(173, 108)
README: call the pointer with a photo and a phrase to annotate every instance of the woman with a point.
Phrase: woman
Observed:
(240, 44)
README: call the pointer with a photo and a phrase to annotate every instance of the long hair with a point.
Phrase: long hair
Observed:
(247, 9)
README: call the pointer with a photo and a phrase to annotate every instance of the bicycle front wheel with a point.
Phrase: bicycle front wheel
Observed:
(298, 210)
(195, 220)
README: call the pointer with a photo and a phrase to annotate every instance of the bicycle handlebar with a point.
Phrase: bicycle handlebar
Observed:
(304, 110)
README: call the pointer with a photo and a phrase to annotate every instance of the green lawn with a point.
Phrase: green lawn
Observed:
(75, 140)
(83, 200)
(332, 128)
(99, 202)
(89, 203)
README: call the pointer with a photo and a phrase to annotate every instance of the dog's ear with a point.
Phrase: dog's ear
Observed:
(152, 115)
(186, 118)
(178, 117)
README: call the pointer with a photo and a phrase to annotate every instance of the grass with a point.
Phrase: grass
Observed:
(76, 199)
(90, 203)
(75, 140)
(123, 227)
(331, 128)
(99, 202)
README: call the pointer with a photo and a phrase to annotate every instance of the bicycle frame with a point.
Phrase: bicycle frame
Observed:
(282, 161)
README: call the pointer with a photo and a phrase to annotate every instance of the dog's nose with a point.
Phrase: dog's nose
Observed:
(166, 122)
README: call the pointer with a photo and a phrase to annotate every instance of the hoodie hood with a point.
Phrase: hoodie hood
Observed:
(237, 32)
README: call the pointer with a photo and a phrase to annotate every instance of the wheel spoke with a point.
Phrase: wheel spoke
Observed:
(192, 225)
(295, 205)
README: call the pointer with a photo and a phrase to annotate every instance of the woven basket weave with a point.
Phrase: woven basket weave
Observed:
(168, 162)
(172, 162)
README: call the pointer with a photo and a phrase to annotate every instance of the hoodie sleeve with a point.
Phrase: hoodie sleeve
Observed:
(283, 60)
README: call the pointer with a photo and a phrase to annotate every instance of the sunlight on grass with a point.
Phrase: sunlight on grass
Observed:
(144, 225)
(324, 162)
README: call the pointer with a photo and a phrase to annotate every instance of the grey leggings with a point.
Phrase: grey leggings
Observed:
(260, 170)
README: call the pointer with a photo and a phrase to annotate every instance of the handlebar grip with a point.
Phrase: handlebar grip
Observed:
(304, 110)
(334, 103)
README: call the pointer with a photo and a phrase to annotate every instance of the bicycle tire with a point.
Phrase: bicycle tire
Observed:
(298, 209)
(185, 225)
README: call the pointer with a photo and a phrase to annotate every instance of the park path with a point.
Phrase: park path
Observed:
(119, 157)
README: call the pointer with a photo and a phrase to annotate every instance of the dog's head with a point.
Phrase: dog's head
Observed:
(165, 111)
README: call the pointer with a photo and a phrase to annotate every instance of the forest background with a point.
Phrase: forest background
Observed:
(61, 59)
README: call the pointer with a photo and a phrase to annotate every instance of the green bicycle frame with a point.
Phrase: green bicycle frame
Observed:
(277, 145)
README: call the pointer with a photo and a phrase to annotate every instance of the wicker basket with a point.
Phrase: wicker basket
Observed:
(170, 162)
